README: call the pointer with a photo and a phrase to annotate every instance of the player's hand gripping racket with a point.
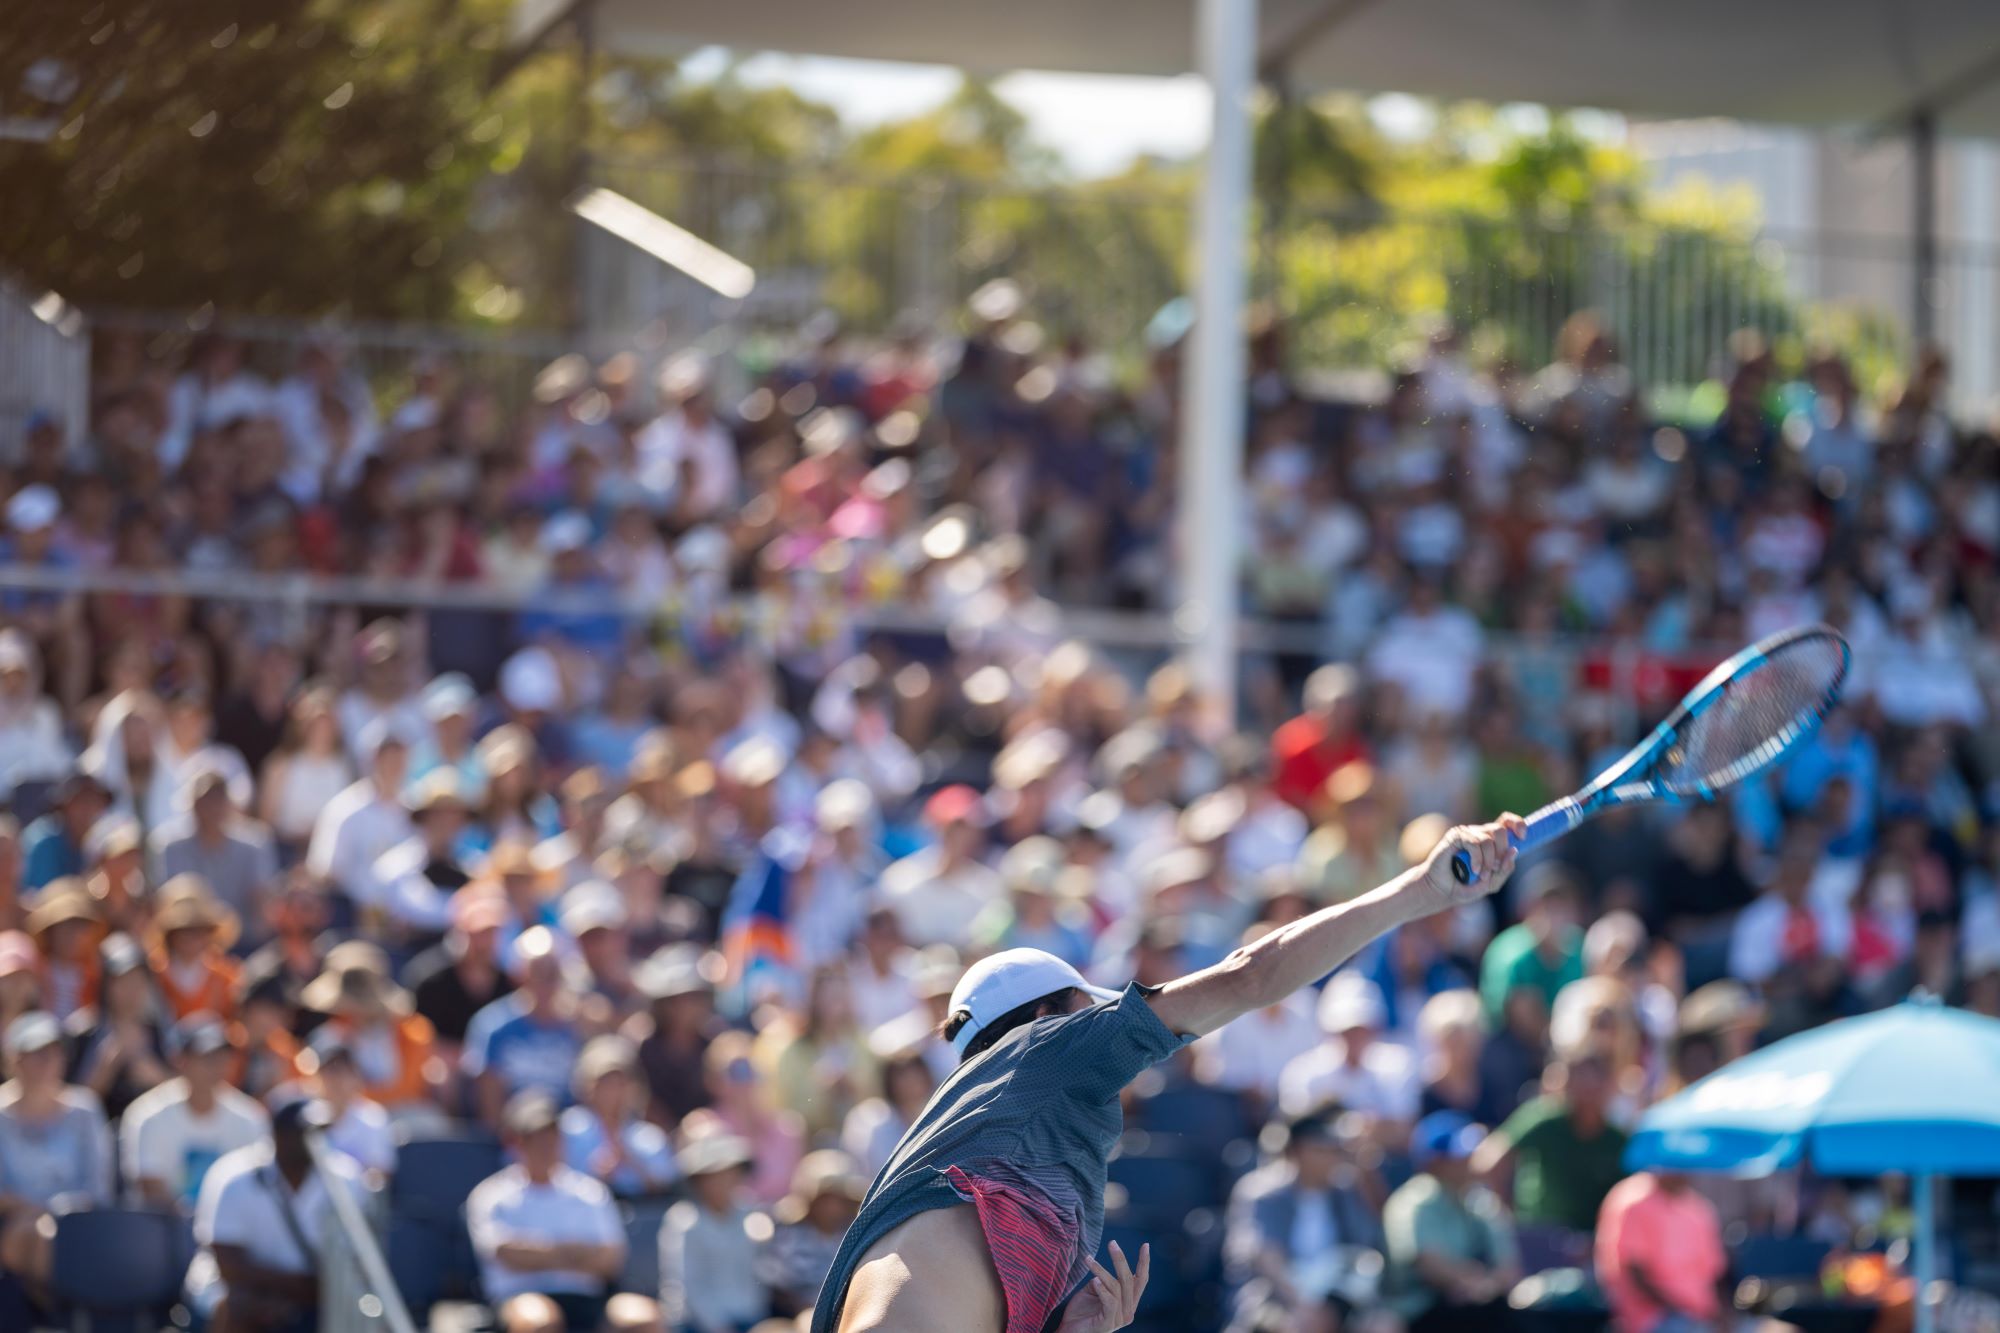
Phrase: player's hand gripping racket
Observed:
(1740, 720)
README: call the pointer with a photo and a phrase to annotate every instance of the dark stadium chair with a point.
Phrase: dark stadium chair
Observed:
(1192, 1111)
(1777, 1256)
(1158, 1180)
(642, 1247)
(419, 1254)
(435, 1176)
(1544, 1247)
(117, 1268)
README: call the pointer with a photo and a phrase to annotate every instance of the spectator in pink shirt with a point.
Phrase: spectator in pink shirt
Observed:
(1659, 1256)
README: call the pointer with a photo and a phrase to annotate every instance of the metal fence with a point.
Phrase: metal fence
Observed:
(44, 361)
(1100, 262)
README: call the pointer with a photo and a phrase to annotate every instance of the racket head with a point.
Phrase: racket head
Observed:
(1745, 715)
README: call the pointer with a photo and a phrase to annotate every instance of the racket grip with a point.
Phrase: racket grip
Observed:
(1545, 825)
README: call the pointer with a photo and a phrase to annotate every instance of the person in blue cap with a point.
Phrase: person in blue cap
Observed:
(1452, 1256)
(987, 1216)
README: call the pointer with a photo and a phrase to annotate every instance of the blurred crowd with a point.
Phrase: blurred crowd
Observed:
(663, 879)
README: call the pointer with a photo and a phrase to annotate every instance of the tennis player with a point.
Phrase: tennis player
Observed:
(987, 1217)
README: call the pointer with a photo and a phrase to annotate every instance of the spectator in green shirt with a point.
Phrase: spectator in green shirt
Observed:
(1452, 1257)
(1545, 950)
(1561, 1150)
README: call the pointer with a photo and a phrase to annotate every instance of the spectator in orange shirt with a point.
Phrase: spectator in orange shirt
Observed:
(191, 934)
(1659, 1256)
(393, 1045)
(1327, 735)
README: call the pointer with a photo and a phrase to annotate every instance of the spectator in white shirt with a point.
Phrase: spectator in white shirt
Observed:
(356, 1125)
(366, 820)
(265, 1211)
(708, 1280)
(937, 892)
(1251, 1054)
(687, 460)
(548, 1238)
(1355, 1067)
(170, 1137)
(386, 692)
(32, 747)
(1431, 650)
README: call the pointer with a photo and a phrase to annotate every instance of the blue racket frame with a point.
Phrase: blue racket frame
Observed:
(1614, 786)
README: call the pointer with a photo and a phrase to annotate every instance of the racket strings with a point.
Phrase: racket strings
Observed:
(1758, 715)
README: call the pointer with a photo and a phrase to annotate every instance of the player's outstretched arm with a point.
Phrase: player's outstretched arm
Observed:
(1299, 954)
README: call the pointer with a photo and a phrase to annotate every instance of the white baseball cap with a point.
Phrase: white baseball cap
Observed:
(1001, 983)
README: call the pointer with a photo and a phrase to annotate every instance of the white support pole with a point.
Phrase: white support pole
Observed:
(1924, 1201)
(1211, 464)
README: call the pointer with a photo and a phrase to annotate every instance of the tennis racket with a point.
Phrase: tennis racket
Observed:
(1740, 720)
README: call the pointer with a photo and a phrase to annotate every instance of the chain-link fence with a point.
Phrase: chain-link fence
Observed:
(1101, 262)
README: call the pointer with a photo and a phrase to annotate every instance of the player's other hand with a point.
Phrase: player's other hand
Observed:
(1492, 861)
(1109, 1300)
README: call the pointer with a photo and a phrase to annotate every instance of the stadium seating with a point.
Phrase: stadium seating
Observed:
(1778, 1256)
(434, 1177)
(117, 1268)
(642, 1252)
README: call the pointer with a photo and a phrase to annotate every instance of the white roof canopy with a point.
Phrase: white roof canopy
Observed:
(1863, 62)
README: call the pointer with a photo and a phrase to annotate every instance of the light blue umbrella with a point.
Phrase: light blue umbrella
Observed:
(1913, 1089)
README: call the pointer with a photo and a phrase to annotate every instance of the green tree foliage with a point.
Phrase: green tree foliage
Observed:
(398, 159)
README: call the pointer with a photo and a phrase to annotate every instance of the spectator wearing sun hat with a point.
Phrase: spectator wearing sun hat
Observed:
(709, 1241)
(827, 1189)
(938, 892)
(393, 1045)
(66, 927)
(189, 940)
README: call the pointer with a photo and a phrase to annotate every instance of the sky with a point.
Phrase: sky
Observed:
(1127, 117)
(1097, 123)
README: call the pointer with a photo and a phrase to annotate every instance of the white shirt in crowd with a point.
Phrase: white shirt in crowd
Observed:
(1251, 1053)
(405, 892)
(1757, 941)
(364, 1133)
(161, 1138)
(1383, 1083)
(32, 747)
(571, 1209)
(1432, 657)
(934, 907)
(670, 439)
(246, 1202)
(881, 997)
(357, 827)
